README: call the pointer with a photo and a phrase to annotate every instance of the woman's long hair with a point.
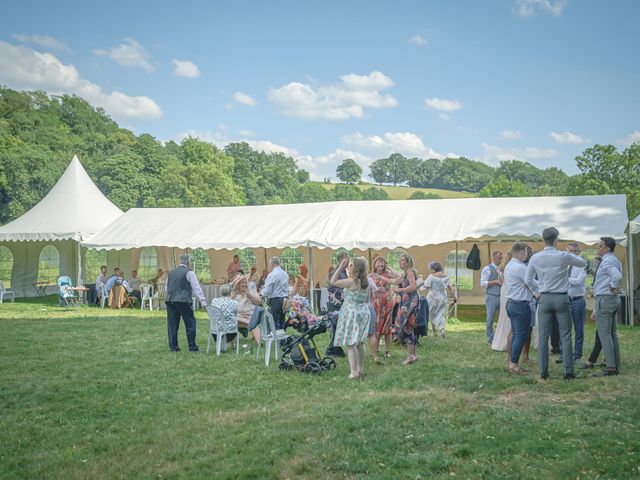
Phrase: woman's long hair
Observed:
(360, 267)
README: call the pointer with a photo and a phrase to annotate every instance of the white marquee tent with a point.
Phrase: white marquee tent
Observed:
(364, 225)
(633, 258)
(72, 211)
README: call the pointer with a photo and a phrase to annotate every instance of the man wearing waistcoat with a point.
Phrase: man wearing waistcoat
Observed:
(491, 281)
(551, 267)
(181, 284)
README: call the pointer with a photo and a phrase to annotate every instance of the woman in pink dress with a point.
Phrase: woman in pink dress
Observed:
(383, 305)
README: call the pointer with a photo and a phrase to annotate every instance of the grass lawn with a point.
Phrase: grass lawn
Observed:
(403, 192)
(92, 393)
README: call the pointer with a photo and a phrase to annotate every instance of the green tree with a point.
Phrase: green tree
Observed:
(523, 172)
(418, 195)
(462, 174)
(313, 192)
(503, 187)
(347, 192)
(555, 182)
(349, 171)
(424, 174)
(375, 193)
(393, 169)
(620, 171)
(303, 176)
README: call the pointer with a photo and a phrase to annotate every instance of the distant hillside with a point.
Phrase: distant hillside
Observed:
(403, 193)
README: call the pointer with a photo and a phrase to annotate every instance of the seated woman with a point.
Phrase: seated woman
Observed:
(229, 309)
(247, 301)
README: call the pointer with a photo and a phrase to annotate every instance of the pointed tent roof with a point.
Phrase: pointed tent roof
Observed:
(74, 209)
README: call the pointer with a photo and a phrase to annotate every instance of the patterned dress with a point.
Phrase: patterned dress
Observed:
(407, 311)
(438, 301)
(383, 305)
(353, 319)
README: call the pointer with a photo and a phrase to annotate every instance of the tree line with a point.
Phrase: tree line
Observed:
(40, 133)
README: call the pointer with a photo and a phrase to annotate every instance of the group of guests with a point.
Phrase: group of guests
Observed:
(240, 302)
(131, 285)
(382, 304)
(548, 288)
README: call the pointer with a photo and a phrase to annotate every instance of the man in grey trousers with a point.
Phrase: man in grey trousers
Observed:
(491, 280)
(551, 266)
(606, 289)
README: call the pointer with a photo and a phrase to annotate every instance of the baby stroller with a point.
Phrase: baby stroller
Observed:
(66, 296)
(301, 351)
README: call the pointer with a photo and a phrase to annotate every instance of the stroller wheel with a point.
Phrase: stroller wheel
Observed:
(312, 367)
(285, 366)
(328, 363)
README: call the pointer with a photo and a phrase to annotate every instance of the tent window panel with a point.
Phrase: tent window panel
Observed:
(93, 260)
(247, 259)
(393, 260)
(465, 275)
(6, 266)
(201, 264)
(148, 264)
(334, 255)
(291, 260)
(49, 264)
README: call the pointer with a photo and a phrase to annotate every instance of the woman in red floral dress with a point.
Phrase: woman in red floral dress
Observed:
(383, 305)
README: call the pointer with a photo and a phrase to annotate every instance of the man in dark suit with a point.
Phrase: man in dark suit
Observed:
(181, 285)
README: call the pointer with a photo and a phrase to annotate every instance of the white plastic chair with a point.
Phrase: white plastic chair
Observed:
(146, 294)
(4, 292)
(220, 328)
(270, 336)
(105, 295)
(161, 294)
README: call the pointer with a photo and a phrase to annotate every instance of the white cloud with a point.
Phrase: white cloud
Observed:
(493, 154)
(44, 41)
(567, 137)
(406, 143)
(25, 69)
(247, 133)
(633, 137)
(510, 134)
(340, 101)
(244, 99)
(528, 8)
(185, 68)
(128, 54)
(442, 104)
(418, 40)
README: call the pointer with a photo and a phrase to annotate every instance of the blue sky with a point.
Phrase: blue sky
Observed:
(536, 80)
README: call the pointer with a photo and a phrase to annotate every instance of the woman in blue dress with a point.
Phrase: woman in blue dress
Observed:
(354, 316)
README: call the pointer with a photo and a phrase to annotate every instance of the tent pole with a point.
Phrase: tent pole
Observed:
(312, 296)
(370, 266)
(455, 305)
(630, 279)
(266, 264)
(79, 278)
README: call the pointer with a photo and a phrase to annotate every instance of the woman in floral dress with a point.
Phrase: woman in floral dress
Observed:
(383, 306)
(408, 304)
(353, 319)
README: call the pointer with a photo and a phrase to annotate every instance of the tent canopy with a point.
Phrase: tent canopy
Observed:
(74, 209)
(367, 224)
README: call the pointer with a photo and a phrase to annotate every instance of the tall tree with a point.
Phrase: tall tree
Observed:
(503, 187)
(349, 171)
(393, 169)
(462, 174)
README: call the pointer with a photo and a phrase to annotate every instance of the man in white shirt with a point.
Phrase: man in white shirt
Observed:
(551, 266)
(134, 284)
(276, 289)
(606, 290)
(518, 304)
(181, 285)
(577, 289)
(491, 281)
